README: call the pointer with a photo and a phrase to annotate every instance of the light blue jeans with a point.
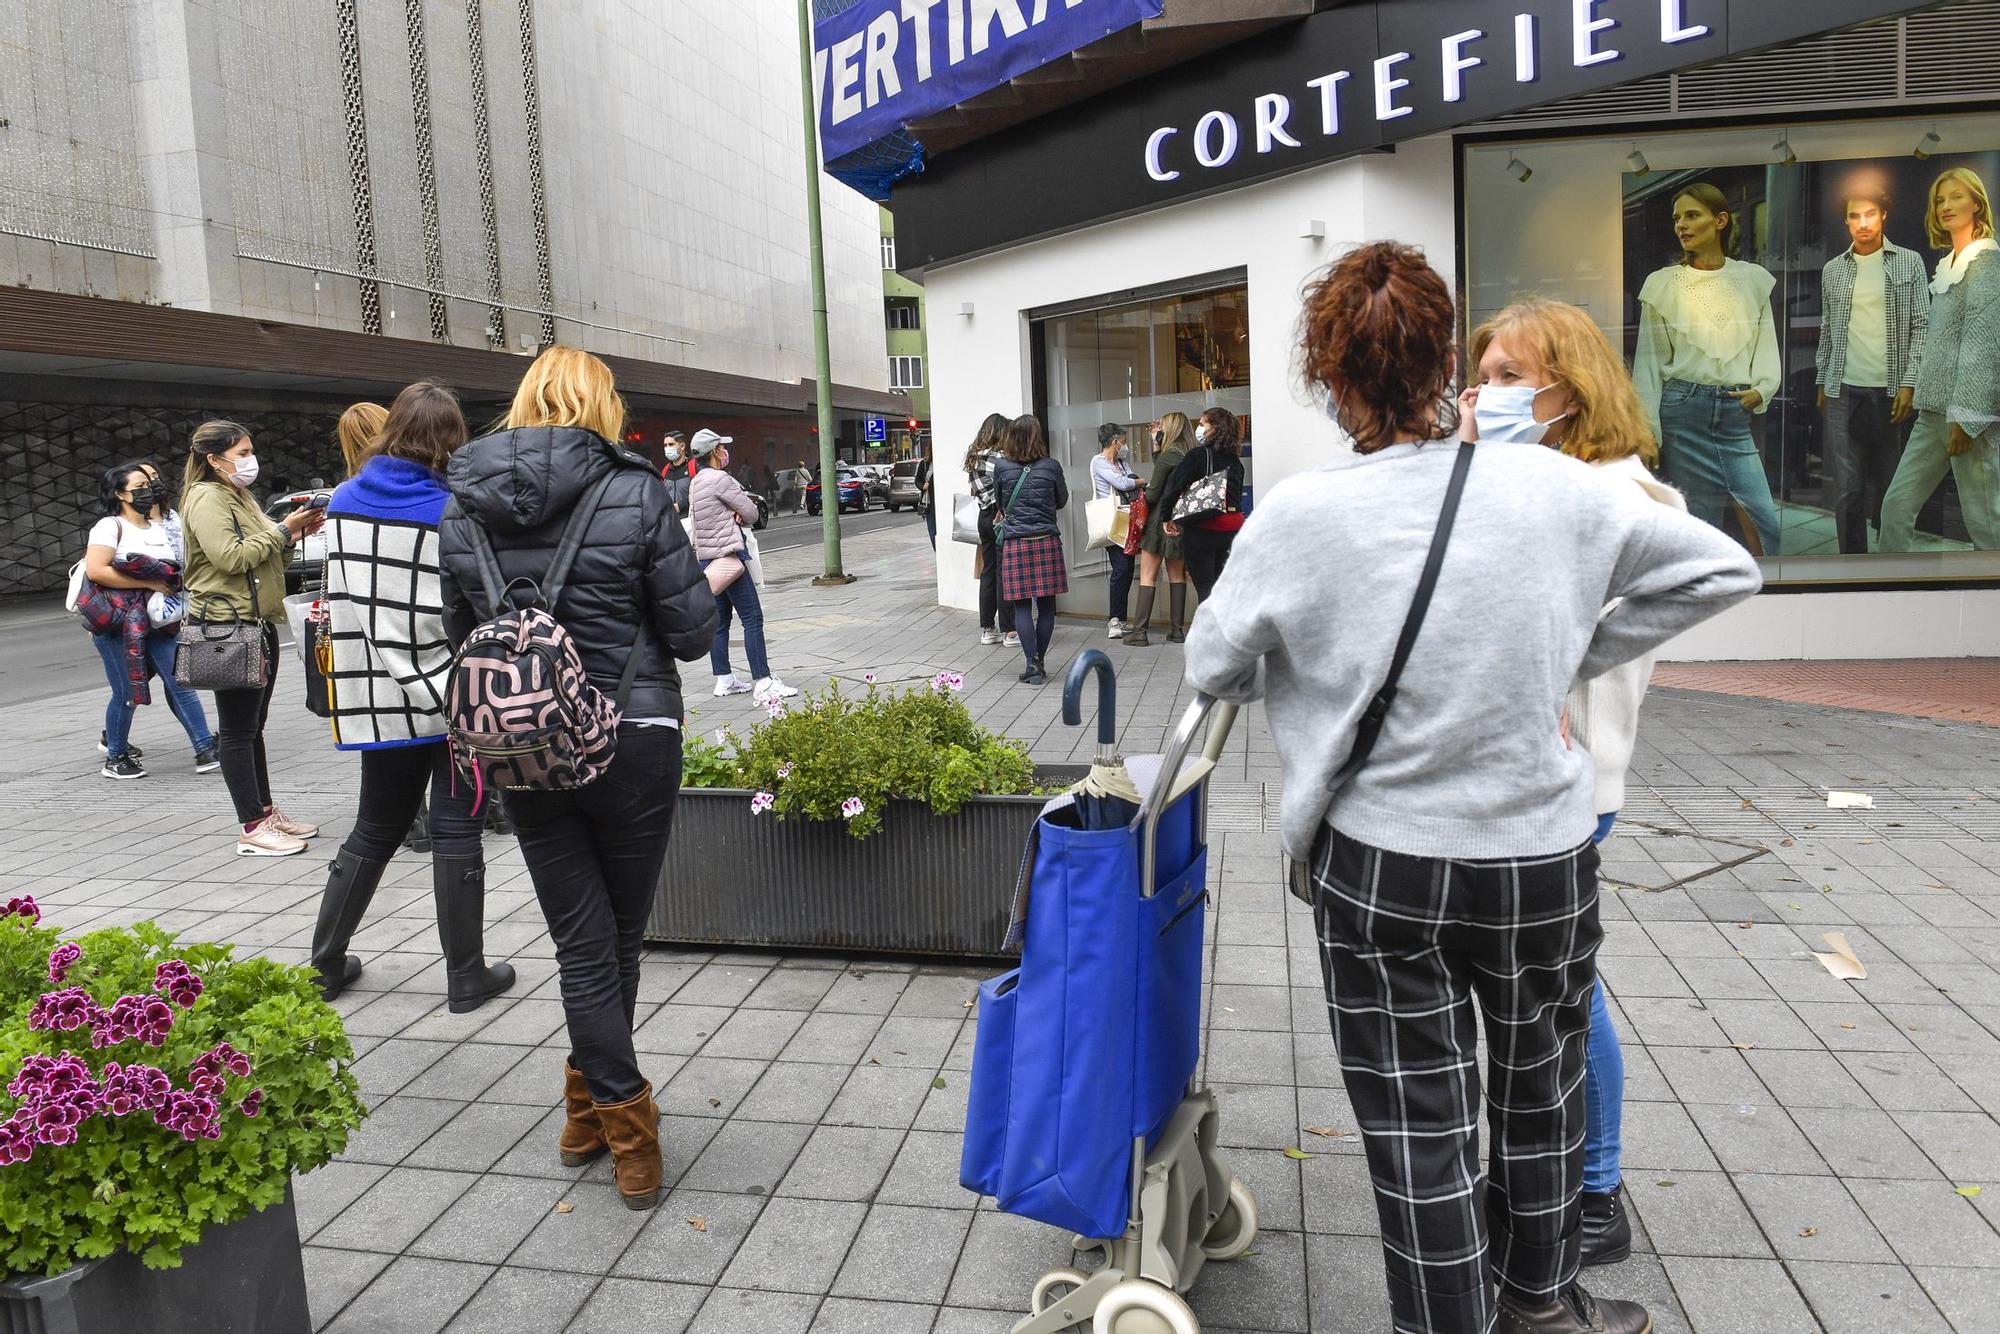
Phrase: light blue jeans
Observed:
(1706, 450)
(1603, 1083)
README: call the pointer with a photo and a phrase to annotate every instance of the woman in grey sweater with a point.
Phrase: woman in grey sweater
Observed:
(1455, 869)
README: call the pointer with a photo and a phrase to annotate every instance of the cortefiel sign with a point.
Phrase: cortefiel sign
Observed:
(1348, 80)
(884, 63)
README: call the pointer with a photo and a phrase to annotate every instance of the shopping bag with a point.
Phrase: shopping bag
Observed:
(753, 560)
(1108, 523)
(312, 636)
(965, 519)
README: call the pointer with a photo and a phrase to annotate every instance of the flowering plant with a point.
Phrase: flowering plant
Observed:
(832, 756)
(153, 1090)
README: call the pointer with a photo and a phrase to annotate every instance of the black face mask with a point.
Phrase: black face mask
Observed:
(145, 499)
(1159, 438)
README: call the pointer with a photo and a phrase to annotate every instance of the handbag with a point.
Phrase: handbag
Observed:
(223, 654)
(965, 520)
(1137, 522)
(312, 622)
(1000, 524)
(722, 572)
(1205, 499)
(1298, 877)
(753, 561)
(1108, 523)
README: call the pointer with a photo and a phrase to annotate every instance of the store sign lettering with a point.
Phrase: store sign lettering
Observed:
(1217, 138)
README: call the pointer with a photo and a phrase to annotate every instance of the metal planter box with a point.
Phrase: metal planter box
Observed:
(924, 884)
(246, 1278)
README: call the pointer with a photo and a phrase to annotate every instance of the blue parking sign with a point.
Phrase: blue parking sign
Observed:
(877, 431)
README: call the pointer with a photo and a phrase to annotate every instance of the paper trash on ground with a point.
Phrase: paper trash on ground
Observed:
(1850, 801)
(1842, 963)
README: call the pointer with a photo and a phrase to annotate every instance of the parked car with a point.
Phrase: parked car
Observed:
(903, 488)
(308, 563)
(876, 475)
(854, 492)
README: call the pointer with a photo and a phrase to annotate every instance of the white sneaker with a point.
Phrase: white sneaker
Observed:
(1116, 629)
(731, 685)
(989, 636)
(267, 840)
(772, 688)
(1012, 640)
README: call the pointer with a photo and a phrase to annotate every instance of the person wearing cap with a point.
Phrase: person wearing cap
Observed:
(721, 509)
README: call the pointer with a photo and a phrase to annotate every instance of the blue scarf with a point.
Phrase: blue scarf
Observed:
(392, 489)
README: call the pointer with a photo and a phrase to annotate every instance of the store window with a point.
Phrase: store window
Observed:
(1821, 390)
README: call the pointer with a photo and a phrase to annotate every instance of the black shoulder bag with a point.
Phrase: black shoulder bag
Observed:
(1298, 875)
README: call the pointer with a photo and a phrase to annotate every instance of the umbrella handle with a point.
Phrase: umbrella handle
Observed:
(1220, 717)
(1094, 660)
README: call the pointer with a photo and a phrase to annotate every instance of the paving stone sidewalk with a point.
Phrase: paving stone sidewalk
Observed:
(1801, 1152)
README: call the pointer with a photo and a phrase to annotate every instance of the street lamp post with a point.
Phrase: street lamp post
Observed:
(829, 477)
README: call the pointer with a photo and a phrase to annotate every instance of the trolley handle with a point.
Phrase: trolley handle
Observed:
(1089, 661)
(1221, 718)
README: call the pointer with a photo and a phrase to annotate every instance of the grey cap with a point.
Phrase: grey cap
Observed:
(705, 442)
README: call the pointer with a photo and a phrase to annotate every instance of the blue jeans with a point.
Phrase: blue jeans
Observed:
(183, 703)
(741, 599)
(1603, 1083)
(1707, 451)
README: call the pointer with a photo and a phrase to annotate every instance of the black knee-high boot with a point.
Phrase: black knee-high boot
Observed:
(1178, 633)
(350, 885)
(1135, 629)
(459, 886)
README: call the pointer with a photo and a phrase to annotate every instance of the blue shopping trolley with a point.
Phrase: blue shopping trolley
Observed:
(1084, 1109)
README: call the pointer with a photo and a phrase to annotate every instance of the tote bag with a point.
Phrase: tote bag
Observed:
(965, 519)
(1109, 523)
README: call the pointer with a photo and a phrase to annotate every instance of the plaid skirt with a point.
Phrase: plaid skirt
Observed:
(1033, 567)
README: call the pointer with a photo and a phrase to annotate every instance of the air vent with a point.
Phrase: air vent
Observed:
(1953, 52)
(1858, 65)
(1646, 97)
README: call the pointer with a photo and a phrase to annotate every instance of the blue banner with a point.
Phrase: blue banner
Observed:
(883, 63)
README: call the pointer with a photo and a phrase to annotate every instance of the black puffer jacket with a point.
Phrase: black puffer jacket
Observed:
(635, 586)
(1043, 496)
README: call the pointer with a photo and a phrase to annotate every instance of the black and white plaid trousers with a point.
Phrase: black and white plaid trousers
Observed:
(1408, 946)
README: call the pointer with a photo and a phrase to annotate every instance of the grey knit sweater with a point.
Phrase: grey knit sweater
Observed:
(1960, 376)
(1471, 763)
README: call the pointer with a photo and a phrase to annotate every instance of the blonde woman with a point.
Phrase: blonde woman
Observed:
(356, 431)
(1548, 377)
(1172, 439)
(635, 597)
(1958, 383)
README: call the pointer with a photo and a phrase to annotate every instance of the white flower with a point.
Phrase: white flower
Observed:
(947, 683)
(868, 677)
(784, 771)
(774, 706)
(721, 737)
(762, 802)
(851, 808)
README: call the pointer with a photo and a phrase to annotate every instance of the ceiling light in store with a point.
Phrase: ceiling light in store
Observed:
(1635, 161)
(1783, 148)
(1518, 169)
(1927, 145)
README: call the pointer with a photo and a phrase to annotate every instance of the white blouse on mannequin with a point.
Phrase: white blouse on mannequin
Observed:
(1707, 326)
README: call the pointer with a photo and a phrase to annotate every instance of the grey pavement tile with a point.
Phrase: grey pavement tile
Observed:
(626, 1305)
(1863, 1142)
(1867, 1299)
(1738, 1296)
(1964, 1145)
(536, 1080)
(796, 1246)
(395, 1063)
(534, 1154)
(393, 1212)
(1251, 966)
(1852, 1027)
(1694, 1213)
(709, 1086)
(1812, 1218)
(465, 1072)
(691, 1237)
(1261, 1009)
(1265, 1289)
(1661, 1137)
(940, 995)
(1246, 1057)
(1642, 975)
(915, 1043)
(525, 1023)
(842, 1163)
(1668, 1021)
(586, 1240)
(864, 990)
(925, 1172)
(412, 1296)
(833, 1039)
(971, 1320)
(1808, 1079)
(1724, 979)
(723, 982)
(1337, 1194)
(395, 1128)
(904, 1254)
(523, 1299)
(1944, 1030)
(847, 1315)
(747, 1157)
(1315, 1063)
(739, 1311)
(792, 1091)
(490, 1219)
(476, 1138)
(1927, 1220)
(757, 1035)
(386, 1014)
(1709, 1074)
(791, 989)
(1764, 1023)
(321, 1194)
(883, 1097)
(1003, 1257)
(1257, 1116)
(1755, 1137)
(334, 1278)
(944, 1108)
(1968, 1297)
(1349, 1292)
(680, 1029)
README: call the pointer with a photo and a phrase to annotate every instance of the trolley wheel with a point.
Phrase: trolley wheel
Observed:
(1054, 1287)
(1235, 1231)
(1138, 1307)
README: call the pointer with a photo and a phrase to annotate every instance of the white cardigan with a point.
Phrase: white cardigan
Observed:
(1604, 712)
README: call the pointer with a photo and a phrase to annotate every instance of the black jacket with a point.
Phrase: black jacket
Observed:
(635, 587)
(1042, 497)
(1197, 465)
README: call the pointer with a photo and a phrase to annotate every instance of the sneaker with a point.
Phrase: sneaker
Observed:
(105, 750)
(207, 760)
(772, 688)
(1116, 630)
(731, 685)
(1012, 640)
(285, 824)
(122, 766)
(989, 637)
(265, 839)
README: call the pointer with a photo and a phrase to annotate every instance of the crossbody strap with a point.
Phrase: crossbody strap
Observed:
(1369, 731)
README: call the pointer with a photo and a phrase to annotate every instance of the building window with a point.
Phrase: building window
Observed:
(903, 313)
(888, 252)
(1848, 492)
(906, 372)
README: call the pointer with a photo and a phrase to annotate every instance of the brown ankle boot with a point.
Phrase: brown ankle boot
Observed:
(581, 1140)
(632, 1131)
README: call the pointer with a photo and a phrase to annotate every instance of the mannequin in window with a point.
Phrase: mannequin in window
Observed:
(1958, 385)
(1876, 304)
(1707, 362)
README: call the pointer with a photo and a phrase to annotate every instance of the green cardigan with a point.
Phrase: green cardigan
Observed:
(228, 537)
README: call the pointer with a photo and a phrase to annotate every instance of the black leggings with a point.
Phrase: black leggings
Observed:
(994, 614)
(239, 737)
(1035, 622)
(1206, 552)
(393, 782)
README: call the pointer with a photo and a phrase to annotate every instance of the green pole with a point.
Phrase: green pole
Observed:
(829, 479)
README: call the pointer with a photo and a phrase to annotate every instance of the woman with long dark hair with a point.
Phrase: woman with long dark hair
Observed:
(236, 572)
(1451, 869)
(996, 619)
(391, 667)
(1034, 568)
(1206, 538)
(1159, 550)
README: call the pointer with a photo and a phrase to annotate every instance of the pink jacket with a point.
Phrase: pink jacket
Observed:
(715, 500)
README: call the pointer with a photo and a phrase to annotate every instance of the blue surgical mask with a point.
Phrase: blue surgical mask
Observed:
(1505, 415)
(1201, 435)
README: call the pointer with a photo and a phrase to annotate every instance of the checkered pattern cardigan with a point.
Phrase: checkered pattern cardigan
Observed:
(1907, 299)
(391, 660)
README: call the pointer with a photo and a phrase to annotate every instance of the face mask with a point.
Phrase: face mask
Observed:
(673, 455)
(1124, 452)
(1506, 415)
(144, 498)
(1201, 435)
(1159, 438)
(245, 472)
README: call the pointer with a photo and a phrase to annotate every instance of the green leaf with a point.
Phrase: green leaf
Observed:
(1970, 1192)
(1296, 1154)
(938, 1083)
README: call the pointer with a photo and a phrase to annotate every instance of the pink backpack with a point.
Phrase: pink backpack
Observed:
(521, 713)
